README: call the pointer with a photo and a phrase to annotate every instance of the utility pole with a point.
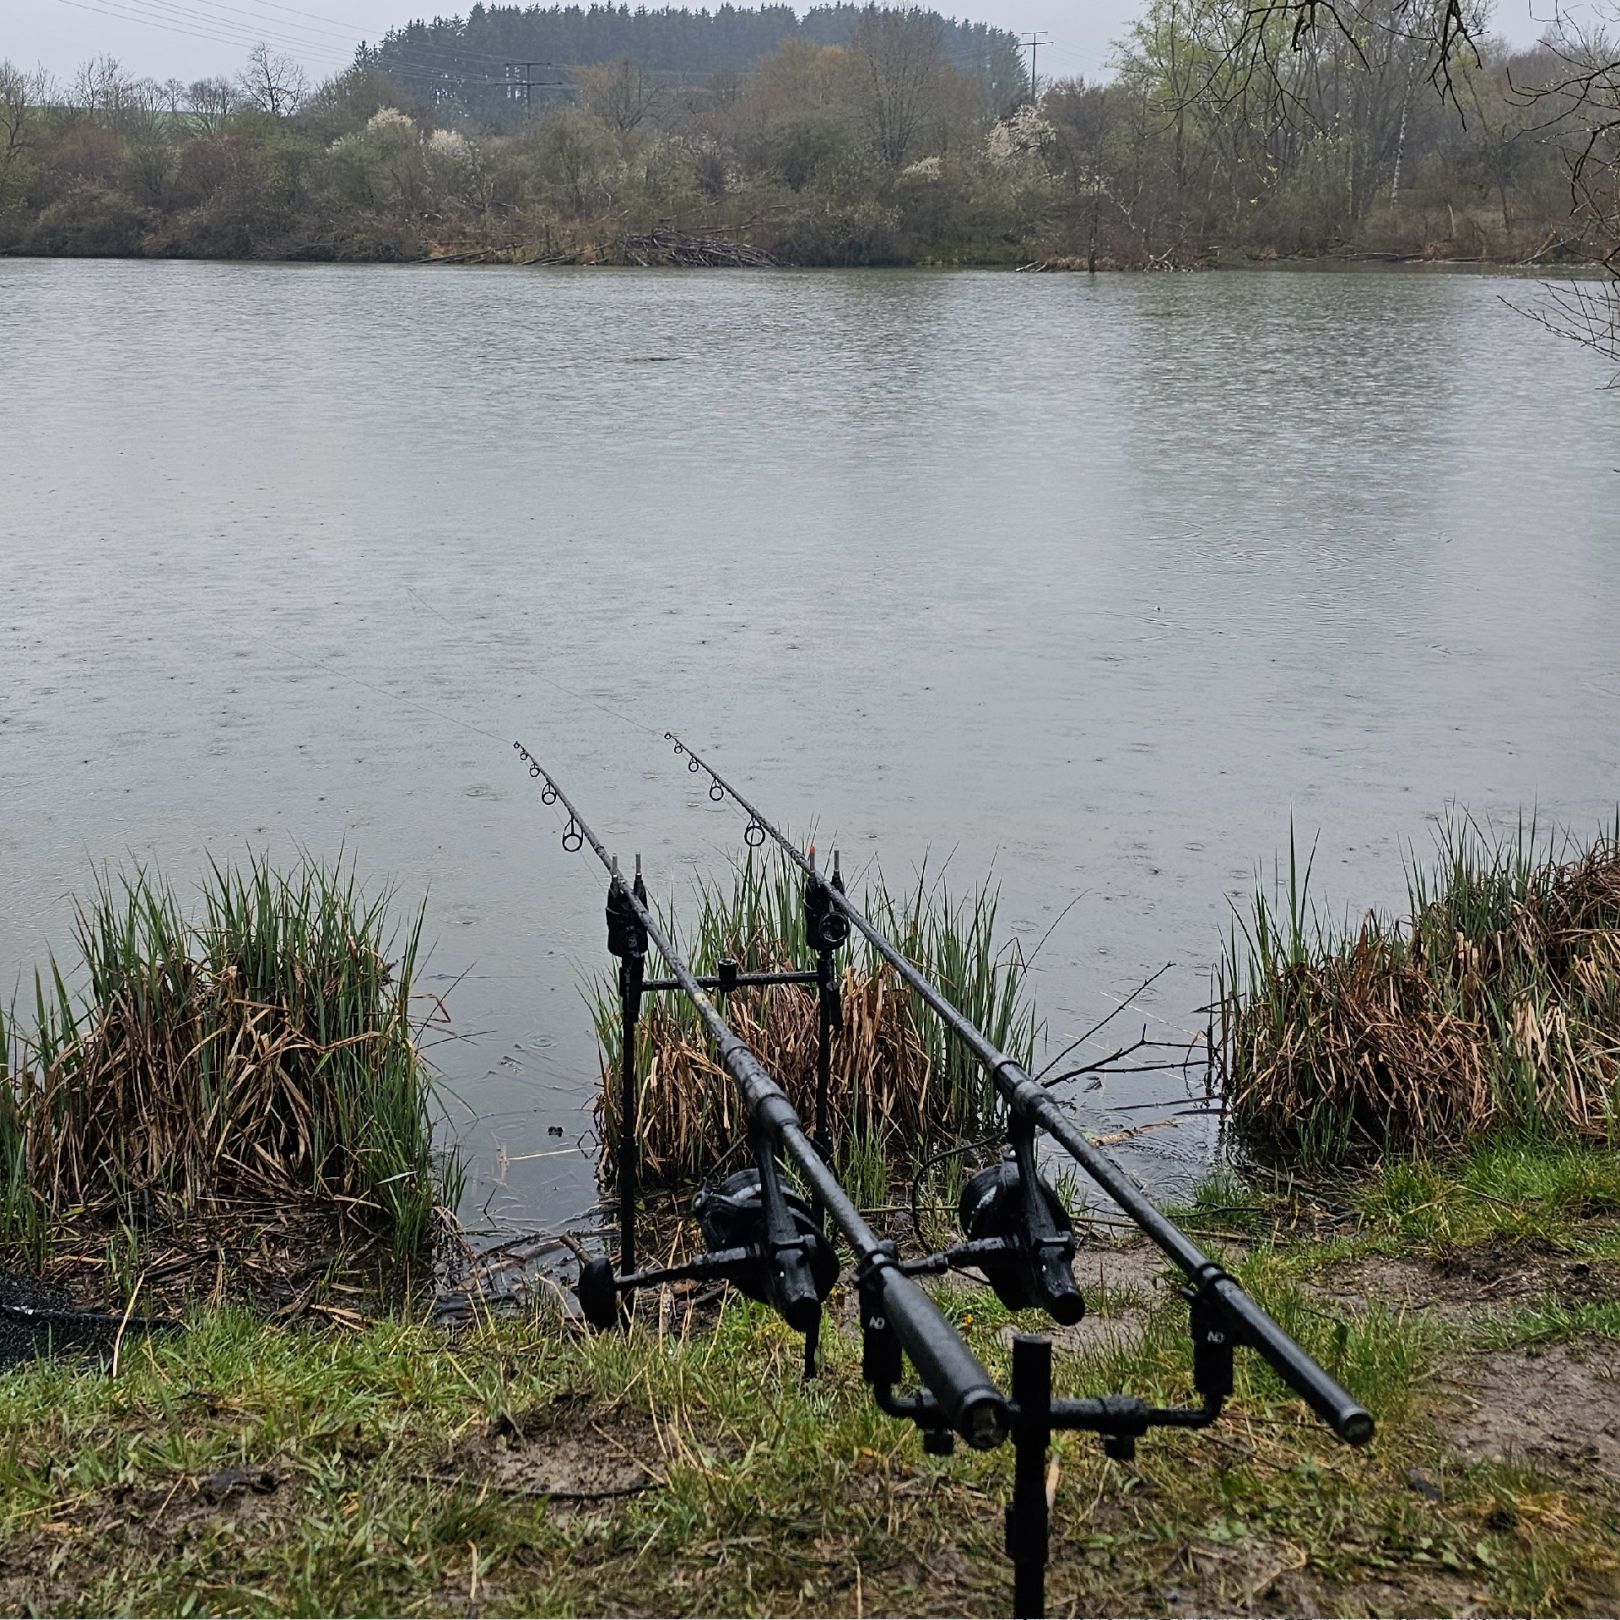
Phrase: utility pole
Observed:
(1034, 43)
(527, 83)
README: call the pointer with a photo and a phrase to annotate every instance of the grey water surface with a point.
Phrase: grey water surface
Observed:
(1100, 584)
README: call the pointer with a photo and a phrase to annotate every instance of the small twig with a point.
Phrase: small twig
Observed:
(1103, 1023)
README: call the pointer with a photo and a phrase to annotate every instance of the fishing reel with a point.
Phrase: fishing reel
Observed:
(1014, 1209)
(733, 1217)
(1017, 1232)
(758, 1236)
(1033, 1265)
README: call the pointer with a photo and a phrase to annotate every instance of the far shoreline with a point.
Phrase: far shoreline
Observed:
(505, 258)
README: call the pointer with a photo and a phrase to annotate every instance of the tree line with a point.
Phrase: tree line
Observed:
(477, 65)
(857, 135)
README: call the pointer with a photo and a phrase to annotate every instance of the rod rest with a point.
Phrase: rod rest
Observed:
(728, 977)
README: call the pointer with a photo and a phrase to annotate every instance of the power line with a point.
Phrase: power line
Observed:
(397, 39)
(169, 16)
(1088, 57)
(302, 35)
(182, 20)
(147, 21)
(167, 10)
(314, 16)
(528, 84)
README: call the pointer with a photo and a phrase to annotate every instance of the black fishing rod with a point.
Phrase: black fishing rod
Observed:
(780, 1256)
(1229, 1312)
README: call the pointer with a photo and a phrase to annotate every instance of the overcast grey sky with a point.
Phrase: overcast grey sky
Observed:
(189, 39)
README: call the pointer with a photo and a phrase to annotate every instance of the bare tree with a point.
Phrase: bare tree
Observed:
(273, 82)
(575, 155)
(1582, 104)
(1076, 117)
(22, 100)
(1270, 32)
(621, 94)
(902, 50)
(99, 86)
(1587, 313)
(212, 102)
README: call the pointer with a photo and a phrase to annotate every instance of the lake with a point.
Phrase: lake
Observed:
(1099, 585)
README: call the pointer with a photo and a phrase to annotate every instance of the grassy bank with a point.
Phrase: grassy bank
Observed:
(1491, 1006)
(190, 1072)
(518, 1467)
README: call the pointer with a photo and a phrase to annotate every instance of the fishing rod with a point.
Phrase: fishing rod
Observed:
(1027, 1099)
(765, 1239)
(770, 1243)
(1223, 1316)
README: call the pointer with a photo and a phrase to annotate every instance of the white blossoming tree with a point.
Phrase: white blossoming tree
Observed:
(1014, 141)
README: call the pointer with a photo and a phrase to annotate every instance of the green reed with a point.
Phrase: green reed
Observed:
(899, 1088)
(1491, 1004)
(263, 1051)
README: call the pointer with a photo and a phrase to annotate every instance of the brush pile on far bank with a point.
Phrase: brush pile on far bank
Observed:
(1494, 1004)
(263, 1056)
(900, 1087)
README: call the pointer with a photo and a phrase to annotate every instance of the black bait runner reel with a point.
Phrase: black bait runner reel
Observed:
(788, 1265)
(732, 1216)
(1032, 1266)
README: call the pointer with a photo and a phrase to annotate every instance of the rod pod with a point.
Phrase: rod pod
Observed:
(1243, 1320)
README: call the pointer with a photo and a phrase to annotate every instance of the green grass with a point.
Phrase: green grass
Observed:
(1491, 1007)
(1500, 1191)
(261, 1050)
(1500, 1198)
(1553, 1321)
(402, 1457)
(412, 1464)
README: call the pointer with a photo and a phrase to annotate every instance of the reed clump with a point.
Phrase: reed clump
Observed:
(1492, 1005)
(261, 1053)
(899, 1088)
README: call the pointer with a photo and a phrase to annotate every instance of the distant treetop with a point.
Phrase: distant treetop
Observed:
(472, 61)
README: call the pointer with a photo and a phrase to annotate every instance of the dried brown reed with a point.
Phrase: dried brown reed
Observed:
(690, 1111)
(264, 1054)
(898, 1091)
(1494, 1004)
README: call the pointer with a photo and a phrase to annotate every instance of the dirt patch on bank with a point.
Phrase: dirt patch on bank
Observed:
(1122, 1281)
(1472, 1283)
(1130, 1265)
(566, 1451)
(1267, 1577)
(43, 1572)
(1557, 1409)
